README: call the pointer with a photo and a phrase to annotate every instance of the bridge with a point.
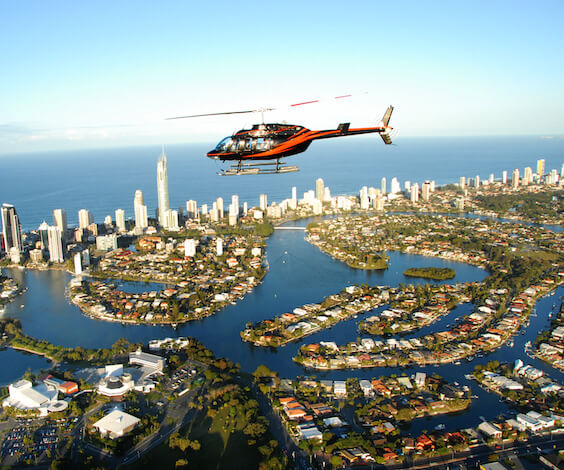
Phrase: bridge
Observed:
(290, 228)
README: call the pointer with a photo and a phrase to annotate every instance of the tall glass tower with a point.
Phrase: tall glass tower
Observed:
(162, 190)
(11, 229)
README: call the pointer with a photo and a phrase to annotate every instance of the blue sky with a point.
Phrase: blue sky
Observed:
(106, 73)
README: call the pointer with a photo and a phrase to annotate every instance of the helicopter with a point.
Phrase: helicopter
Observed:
(260, 150)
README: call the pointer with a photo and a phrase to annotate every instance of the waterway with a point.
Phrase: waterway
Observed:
(299, 273)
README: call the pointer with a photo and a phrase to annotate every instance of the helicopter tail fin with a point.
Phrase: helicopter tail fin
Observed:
(387, 116)
(385, 121)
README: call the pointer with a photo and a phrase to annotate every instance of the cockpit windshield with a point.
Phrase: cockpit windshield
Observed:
(224, 145)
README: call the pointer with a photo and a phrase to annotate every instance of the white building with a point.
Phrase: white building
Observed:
(56, 254)
(263, 202)
(162, 190)
(219, 247)
(191, 209)
(24, 396)
(84, 219)
(147, 360)
(189, 248)
(120, 220)
(116, 424)
(60, 220)
(140, 210)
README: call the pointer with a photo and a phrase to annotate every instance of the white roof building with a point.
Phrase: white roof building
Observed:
(147, 360)
(24, 396)
(340, 388)
(116, 424)
(489, 430)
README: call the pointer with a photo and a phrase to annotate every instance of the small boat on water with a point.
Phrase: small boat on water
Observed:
(440, 427)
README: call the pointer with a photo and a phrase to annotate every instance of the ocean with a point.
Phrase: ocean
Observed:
(103, 180)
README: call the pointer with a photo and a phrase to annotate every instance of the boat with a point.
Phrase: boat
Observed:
(440, 427)
(511, 344)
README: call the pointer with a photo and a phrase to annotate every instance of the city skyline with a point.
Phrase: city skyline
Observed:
(369, 197)
(110, 76)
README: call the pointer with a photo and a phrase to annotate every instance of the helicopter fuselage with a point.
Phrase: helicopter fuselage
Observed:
(275, 141)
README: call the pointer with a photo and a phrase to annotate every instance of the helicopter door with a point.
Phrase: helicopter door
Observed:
(260, 143)
(248, 144)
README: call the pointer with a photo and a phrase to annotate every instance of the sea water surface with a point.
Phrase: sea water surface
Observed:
(103, 180)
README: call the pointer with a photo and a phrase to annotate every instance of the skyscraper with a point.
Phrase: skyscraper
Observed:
(235, 204)
(415, 193)
(504, 177)
(383, 185)
(320, 189)
(120, 220)
(56, 254)
(515, 179)
(462, 182)
(263, 201)
(528, 176)
(162, 189)
(220, 207)
(11, 229)
(84, 218)
(395, 186)
(191, 209)
(426, 190)
(44, 235)
(60, 220)
(540, 167)
(141, 222)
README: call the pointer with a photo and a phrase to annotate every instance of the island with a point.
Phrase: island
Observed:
(436, 274)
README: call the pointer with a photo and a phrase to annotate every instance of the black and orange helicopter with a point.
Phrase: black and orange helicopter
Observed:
(264, 145)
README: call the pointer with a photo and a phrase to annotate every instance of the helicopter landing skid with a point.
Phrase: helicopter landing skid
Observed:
(254, 169)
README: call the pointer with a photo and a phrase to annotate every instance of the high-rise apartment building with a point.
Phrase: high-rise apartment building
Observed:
(319, 189)
(540, 167)
(395, 186)
(11, 229)
(504, 177)
(383, 185)
(263, 202)
(515, 179)
(162, 189)
(235, 204)
(414, 192)
(56, 254)
(140, 211)
(60, 220)
(527, 176)
(462, 182)
(426, 190)
(43, 231)
(84, 218)
(220, 207)
(191, 209)
(120, 220)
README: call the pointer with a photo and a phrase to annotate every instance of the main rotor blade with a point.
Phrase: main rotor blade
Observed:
(211, 114)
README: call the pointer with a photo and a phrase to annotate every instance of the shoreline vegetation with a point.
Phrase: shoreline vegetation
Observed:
(436, 274)
(12, 336)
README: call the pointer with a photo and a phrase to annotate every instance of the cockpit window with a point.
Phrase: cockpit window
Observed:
(224, 145)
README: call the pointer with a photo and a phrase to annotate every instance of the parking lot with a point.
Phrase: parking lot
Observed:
(28, 441)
